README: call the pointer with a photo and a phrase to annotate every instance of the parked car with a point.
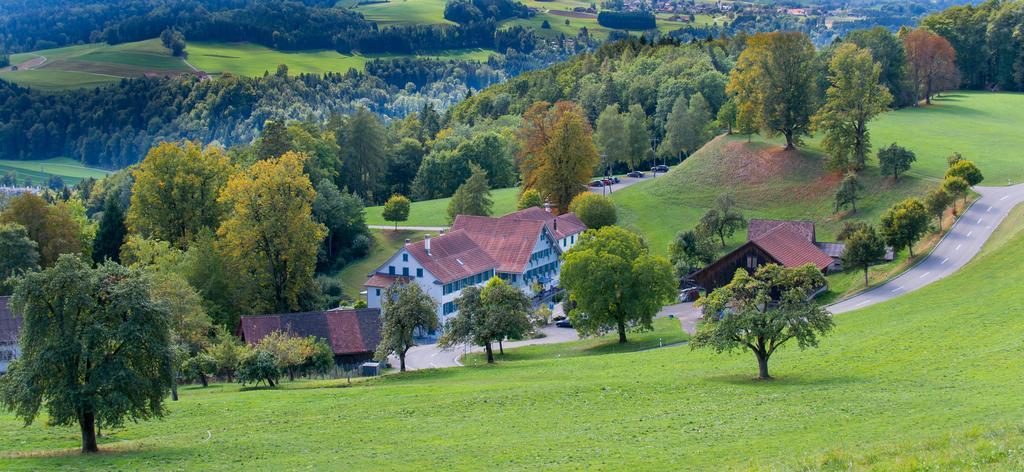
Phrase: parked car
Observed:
(607, 182)
(597, 183)
(615, 180)
(688, 295)
(660, 168)
(635, 174)
(563, 323)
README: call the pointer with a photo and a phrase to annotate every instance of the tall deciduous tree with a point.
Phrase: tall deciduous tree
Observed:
(690, 251)
(615, 281)
(931, 63)
(529, 199)
(762, 312)
(558, 156)
(936, 203)
(111, 233)
(852, 100)
(52, 227)
(405, 309)
(638, 137)
(904, 224)
(956, 187)
(18, 254)
(966, 170)
(343, 215)
(95, 348)
(396, 209)
(473, 197)
(610, 137)
(895, 160)
(175, 192)
(864, 248)
(774, 77)
(274, 140)
(270, 235)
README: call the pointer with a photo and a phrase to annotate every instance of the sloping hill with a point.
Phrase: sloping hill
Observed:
(766, 182)
(930, 381)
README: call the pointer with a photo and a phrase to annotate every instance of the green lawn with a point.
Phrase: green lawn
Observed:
(928, 381)
(985, 127)
(68, 169)
(666, 331)
(95, 64)
(405, 12)
(386, 242)
(435, 212)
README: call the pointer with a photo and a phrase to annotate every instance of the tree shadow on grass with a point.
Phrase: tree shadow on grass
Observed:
(785, 380)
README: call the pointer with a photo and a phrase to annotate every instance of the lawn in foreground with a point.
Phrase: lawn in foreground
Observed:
(983, 126)
(929, 379)
(70, 170)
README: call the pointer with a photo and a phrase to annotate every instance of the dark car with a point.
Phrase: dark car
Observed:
(597, 183)
(615, 180)
(635, 174)
(564, 323)
(659, 168)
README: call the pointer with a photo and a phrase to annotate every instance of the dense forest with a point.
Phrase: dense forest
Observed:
(288, 25)
(989, 42)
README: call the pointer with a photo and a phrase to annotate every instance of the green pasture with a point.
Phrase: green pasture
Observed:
(405, 12)
(68, 169)
(435, 212)
(928, 381)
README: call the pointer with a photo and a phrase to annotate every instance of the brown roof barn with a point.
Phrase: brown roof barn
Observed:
(352, 334)
(787, 243)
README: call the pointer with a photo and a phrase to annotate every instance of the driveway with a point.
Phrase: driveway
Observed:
(958, 247)
(625, 182)
(431, 356)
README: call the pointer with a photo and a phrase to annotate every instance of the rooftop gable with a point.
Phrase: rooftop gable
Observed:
(791, 248)
(509, 241)
(347, 331)
(453, 256)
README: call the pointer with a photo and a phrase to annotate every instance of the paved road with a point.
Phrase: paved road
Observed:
(958, 247)
(430, 356)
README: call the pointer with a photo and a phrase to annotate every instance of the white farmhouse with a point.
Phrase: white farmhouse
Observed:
(522, 248)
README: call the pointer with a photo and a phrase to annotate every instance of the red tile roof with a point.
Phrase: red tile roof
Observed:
(758, 228)
(384, 280)
(791, 248)
(510, 241)
(453, 256)
(347, 331)
(560, 226)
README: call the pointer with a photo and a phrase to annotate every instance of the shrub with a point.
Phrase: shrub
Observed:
(595, 211)
(259, 366)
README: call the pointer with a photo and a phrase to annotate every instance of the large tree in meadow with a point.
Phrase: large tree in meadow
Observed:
(762, 312)
(270, 235)
(853, 99)
(615, 281)
(558, 155)
(405, 309)
(931, 64)
(774, 77)
(887, 50)
(175, 192)
(904, 224)
(95, 348)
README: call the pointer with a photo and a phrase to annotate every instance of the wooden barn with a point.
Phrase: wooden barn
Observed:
(787, 243)
(352, 334)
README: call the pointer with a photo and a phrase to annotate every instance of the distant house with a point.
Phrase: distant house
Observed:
(10, 330)
(522, 248)
(352, 334)
(787, 243)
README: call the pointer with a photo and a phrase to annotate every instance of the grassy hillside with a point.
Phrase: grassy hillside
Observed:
(405, 12)
(901, 385)
(435, 212)
(68, 169)
(92, 64)
(985, 127)
(253, 59)
(766, 183)
(385, 244)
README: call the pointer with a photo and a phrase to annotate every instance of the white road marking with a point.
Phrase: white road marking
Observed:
(896, 289)
(958, 247)
(924, 275)
(989, 209)
(1004, 197)
(969, 233)
(944, 261)
(979, 221)
(435, 354)
(862, 303)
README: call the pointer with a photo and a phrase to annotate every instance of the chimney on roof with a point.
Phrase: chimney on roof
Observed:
(426, 243)
(442, 231)
(555, 224)
(547, 206)
(407, 241)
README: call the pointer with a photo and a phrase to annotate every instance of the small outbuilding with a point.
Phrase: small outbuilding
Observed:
(353, 334)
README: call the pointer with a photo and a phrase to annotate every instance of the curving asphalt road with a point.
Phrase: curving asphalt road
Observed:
(958, 247)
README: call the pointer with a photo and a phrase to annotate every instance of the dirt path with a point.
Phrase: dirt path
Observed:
(30, 64)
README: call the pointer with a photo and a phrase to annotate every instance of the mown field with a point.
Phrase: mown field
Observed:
(68, 169)
(253, 60)
(92, 64)
(929, 381)
(386, 242)
(985, 127)
(435, 212)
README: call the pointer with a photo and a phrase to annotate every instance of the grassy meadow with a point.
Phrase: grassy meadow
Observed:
(983, 126)
(385, 243)
(897, 386)
(92, 65)
(68, 169)
(435, 212)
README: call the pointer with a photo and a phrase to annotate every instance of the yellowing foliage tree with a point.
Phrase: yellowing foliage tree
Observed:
(175, 192)
(558, 156)
(270, 235)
